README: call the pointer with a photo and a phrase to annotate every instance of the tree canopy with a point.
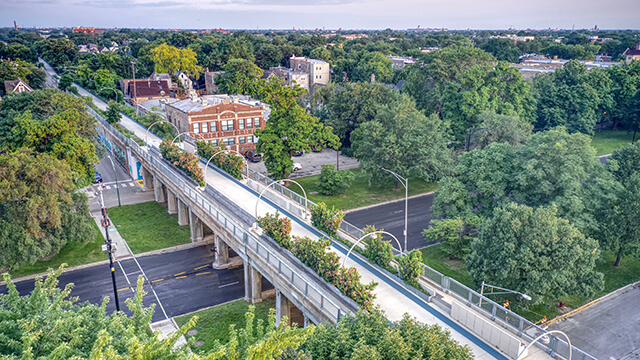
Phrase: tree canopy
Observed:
(169, 59)
(240, 77)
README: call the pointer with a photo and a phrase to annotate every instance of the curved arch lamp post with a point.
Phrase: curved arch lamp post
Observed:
(114, 91)
(405, 183)
(220, 152)
(504, 291)
(146, 135)
(542, 336)
(370, 234)
(306, 201)
(186, 133)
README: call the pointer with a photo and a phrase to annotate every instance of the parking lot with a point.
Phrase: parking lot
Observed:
(312, 163)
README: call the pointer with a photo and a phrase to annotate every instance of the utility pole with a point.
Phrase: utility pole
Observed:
(107, 241)
(135, 97)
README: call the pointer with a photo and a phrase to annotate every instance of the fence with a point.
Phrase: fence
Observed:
(309, 290)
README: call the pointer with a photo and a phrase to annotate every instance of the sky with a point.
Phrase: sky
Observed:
(329, 14)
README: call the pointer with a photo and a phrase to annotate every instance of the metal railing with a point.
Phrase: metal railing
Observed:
(242, 234)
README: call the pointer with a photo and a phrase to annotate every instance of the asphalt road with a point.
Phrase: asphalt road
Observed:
(183, 281)
(609, 329)
(390, 217)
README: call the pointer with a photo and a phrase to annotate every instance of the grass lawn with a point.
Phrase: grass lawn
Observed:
(360, 193)
(148, 226)
(73, 254)
(606, 141)
(213, 323)
(627, 273)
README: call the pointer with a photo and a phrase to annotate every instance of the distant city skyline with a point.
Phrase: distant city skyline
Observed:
(330, 14)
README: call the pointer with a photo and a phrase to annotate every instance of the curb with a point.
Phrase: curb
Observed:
(591, 303)
(105, 262)
(387, 202)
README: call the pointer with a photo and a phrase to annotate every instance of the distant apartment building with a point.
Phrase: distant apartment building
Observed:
(429, 49)
(632, 54)
(210, 81)
(290, 77)
(319, 71)
(87, 30)
(220, 119)
(531, 66)
(399, 62)
(513, 37)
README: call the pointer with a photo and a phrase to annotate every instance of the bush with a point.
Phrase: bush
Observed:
(277, 228)
(377, 251)
(325, 219)
(231, 163)
(456, 234)
(183, 160)
(334, 182)
(410, 268)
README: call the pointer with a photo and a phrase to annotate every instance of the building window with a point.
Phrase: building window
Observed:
(249, 124)
(214, 126)
(196, 128)
(229, 141)
(227, 125)
(205, 127)
(256, 122)
(213, 142)
(240, 124)
(242, 139)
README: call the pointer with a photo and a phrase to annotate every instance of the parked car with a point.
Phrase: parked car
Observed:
(98, 178)
(297, 166)
(298, 153)
(317, 148)
(253, 156)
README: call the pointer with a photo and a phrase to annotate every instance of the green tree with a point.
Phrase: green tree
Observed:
(376, 250)
(536, 252)
(402, 139)
(240, 77)
(112, 115)
(289, 128)
(334, 182)
(169, 59)
(375, 63)
(456, 234)
(372, 336)
(502, 49)
(501, 129)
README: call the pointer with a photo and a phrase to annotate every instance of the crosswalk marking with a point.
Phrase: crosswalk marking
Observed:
(123, 185)
(107, 187)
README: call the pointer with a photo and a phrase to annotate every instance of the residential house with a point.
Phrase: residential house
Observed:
(319, 71)
(632, 54)
(399, 62)
(220, 119)
(187, 84)
(141, 90)
(290, 77)
(210, 81)
(16, 86)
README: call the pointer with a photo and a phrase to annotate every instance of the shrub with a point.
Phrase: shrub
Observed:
(350, 285)
(410, 268)
(231, 163)
(183, 160)
(376, 250)
(325, 219)
(277, 228)
(334, 182)
(455, 234)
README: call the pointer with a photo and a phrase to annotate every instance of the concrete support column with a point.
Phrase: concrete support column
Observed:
(306, 320)
(222, 252)
(256, 286)
(147, 180)
(158, 189)
(196, 227)
(247, 282)
(183, 213)
(283, 308)
(172, 202)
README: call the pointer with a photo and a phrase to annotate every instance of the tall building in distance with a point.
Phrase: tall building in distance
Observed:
(318, 70)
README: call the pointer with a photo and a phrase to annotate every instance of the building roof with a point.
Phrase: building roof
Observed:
(11, 86)
(311, 61)
(631, 52)
(189, 105)
(148, 88)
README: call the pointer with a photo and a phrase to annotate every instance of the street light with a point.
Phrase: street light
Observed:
(471, 131)
(504, 291)
(107, 240)
(114, 91)
(116, 175)
(306, 201)
(406, 202)
(147, 133)
(370, 234)
(545, 339)
(186, 133)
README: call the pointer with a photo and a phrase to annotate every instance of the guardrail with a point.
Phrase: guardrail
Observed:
(242, 234)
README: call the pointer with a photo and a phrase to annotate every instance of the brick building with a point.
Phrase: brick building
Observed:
(87, 30)
(220, 119)
(319, 71)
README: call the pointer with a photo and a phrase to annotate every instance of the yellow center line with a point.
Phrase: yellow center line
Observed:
(123, 289)
(201, 267)
(179, 273)
(157, 280)
(233, 267)
(203, 273)
(181, 277)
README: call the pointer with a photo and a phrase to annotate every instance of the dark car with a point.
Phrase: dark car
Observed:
(253, 156)
(298, 153)
(98, 178)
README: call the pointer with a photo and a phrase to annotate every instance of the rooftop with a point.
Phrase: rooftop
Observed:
(311, 61)
(198, 104)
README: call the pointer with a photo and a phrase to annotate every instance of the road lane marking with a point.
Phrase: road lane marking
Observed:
(132, 184)
(234, 267)
(204, 273)
(123, 289)
(201, 267)
(181, 277)
(225, 285)
(157, 280)
(123, 185)
(108, 187)
(180, 273)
